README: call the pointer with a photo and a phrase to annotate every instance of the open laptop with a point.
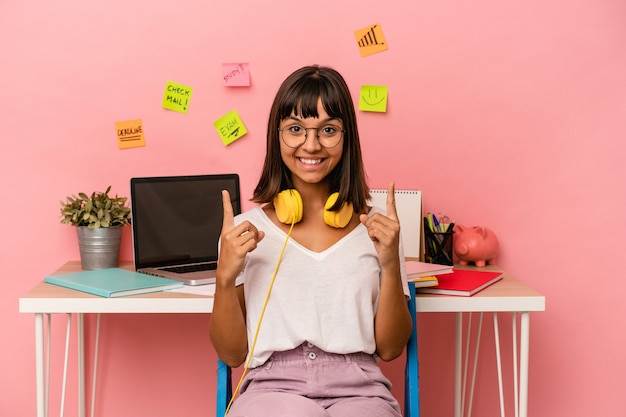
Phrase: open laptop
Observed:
(176, 224)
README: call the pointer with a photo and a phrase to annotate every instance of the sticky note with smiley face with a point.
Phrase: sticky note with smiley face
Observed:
(373, 98)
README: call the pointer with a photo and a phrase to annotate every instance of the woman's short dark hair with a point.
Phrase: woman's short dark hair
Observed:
(299, 95)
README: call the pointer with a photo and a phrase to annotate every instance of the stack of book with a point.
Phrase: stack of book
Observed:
(424, 274)
(462, 282)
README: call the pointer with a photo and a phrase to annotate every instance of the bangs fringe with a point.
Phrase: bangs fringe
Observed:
(302, 100)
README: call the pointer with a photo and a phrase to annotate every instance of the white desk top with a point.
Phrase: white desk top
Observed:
(49, 298)
(508, 294)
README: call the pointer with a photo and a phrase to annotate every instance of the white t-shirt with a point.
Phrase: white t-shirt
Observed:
(328, 298)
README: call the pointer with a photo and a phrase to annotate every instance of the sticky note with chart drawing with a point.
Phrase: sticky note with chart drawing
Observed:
(236, 75)
(370, 40)
(177, 97)
(373, 98)
(230, 127)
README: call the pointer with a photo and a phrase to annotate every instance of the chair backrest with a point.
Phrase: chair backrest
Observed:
(411, 374)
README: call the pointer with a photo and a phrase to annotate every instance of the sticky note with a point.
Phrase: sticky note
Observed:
(370, 40)
(177, 97)
(373, 98)
(236, 75)
(230, 127)
(130, 134)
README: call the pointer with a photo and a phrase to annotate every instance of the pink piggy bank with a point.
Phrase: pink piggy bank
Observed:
(476, 244)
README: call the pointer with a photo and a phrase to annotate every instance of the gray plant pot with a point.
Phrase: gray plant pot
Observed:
(99, 248)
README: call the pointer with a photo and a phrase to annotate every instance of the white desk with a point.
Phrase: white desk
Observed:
(46, 299)
(507, 295)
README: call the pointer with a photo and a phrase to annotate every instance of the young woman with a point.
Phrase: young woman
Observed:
(338, 296)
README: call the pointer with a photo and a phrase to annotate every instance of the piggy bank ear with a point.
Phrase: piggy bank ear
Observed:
(481, 231)
(459, 227)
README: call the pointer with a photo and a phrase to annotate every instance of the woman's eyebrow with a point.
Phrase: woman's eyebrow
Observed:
(298, 119)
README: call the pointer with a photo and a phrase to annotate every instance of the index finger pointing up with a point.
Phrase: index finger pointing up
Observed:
(229, 218)
(391, 202)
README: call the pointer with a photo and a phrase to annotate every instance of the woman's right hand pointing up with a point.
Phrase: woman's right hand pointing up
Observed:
(236, 242)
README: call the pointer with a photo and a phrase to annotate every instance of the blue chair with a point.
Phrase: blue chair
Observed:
(411, 374)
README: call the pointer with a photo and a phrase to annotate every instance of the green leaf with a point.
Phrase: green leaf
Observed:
(97, 210)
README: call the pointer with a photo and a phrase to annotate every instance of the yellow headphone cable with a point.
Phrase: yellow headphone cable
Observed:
(258, 326)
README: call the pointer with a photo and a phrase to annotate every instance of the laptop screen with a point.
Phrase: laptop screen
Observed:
(178, 220)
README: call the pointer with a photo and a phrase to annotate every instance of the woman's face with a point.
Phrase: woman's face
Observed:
(310, 162)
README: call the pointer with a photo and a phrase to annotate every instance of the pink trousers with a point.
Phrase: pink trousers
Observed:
(308, 382)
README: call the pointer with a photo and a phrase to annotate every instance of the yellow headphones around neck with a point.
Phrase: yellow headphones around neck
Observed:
(288, 206)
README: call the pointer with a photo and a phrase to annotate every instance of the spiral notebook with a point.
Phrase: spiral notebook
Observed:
(409, 207)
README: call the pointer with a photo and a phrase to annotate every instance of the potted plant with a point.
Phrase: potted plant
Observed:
(99, 220)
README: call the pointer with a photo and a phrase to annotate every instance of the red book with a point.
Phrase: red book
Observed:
(462, 282)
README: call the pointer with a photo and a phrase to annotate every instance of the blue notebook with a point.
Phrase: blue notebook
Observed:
(113, 282)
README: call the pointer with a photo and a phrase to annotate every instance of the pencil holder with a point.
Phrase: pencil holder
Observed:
(438, 247)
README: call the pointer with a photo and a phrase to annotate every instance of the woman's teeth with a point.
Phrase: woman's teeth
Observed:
(310, 161)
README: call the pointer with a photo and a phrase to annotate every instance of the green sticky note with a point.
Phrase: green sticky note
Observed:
(230, 127)
(373, 98)
(177, 97)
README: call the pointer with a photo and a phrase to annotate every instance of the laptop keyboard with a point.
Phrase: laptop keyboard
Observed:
(191, 268)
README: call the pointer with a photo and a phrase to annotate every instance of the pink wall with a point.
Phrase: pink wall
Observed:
(505, 114)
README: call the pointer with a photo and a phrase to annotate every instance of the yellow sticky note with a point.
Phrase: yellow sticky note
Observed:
(130, 134)
(177, 97)
(230, 127)
(373, 98)
(370, 40)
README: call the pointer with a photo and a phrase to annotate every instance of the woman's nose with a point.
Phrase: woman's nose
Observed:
(311, 140)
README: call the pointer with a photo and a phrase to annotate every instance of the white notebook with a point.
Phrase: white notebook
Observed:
(409, 207)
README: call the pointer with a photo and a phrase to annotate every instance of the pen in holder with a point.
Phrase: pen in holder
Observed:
(438, 245)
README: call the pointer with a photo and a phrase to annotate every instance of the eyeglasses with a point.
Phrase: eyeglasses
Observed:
(295, 135)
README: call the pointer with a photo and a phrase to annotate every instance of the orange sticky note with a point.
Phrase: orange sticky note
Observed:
(370, 40)
(130, 134)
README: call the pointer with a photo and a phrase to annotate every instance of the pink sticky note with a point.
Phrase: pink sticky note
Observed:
(236, 75)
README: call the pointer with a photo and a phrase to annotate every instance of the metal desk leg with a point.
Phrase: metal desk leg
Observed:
(520, 390)
(496, 335)
(81, 364)
(521, 407)
(458, 364)
(68, 331)
(515, 365)
(523, 363)
(475, 366)
(39, 364)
